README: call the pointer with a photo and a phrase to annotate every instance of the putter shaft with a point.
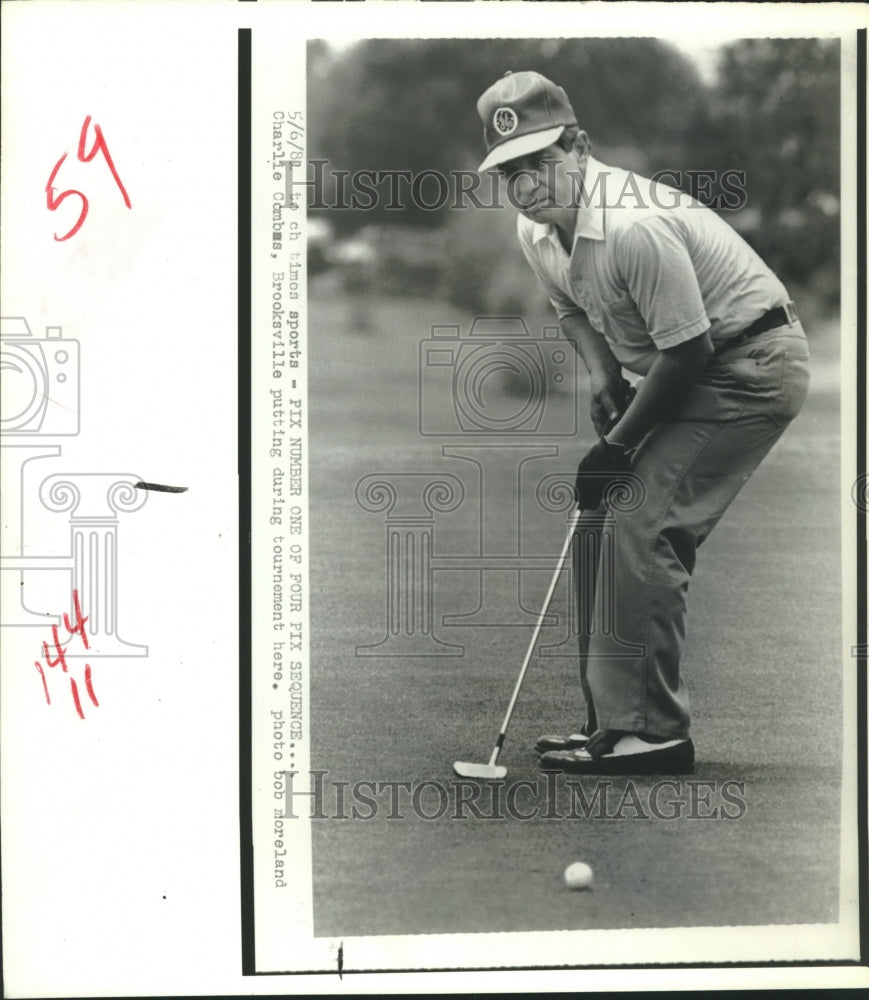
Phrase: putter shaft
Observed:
(574, 521)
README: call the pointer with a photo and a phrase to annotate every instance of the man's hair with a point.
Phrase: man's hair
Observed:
(567, 139)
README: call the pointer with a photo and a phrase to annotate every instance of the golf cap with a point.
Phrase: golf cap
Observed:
(522, 113)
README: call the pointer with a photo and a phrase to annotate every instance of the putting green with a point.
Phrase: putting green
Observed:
(763, 664)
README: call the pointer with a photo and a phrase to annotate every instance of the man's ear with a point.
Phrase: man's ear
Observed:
(582, 146)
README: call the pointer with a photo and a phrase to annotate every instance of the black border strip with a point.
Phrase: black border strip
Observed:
(833, 963)
(244, 476)
(245, 690)
(860, 497)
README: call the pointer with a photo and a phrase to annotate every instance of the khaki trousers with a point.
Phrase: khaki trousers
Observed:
(691, 468)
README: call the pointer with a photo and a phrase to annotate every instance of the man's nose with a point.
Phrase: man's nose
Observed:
(526, 184)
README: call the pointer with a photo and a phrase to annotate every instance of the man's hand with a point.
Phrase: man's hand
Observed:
(610, 396)
(604, 464)
(610, 392)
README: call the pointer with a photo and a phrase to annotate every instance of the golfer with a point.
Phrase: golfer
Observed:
(645, 279)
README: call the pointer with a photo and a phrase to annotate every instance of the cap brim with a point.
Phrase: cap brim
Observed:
(522, 145)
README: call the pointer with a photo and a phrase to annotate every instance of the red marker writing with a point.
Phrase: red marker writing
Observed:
(54, 201)
(56, 657)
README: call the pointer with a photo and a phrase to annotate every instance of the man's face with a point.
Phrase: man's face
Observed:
(544, 185)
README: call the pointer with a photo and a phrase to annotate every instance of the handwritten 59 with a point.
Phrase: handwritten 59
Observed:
(54, 201)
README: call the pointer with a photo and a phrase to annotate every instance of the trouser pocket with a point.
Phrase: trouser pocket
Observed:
(795, 377)
(766, 376)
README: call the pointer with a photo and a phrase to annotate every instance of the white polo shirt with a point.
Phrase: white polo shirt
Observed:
(651, 267)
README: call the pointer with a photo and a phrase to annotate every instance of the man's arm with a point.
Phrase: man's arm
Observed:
(608, 387)
(653, 259)
(671, 376)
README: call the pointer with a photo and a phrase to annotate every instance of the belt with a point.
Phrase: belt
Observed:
(785, 315)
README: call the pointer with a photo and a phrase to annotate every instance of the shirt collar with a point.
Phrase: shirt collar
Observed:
(589, 217)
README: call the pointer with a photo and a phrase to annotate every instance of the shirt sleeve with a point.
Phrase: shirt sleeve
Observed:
(562, 305)
(653, 260)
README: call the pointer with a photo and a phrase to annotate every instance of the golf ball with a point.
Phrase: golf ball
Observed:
(578, 875)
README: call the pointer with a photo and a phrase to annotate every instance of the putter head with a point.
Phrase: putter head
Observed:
(492, 771)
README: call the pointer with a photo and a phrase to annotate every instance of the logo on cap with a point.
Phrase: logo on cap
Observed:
(505, 121)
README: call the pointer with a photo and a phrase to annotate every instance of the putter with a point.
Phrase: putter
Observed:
(493, 769)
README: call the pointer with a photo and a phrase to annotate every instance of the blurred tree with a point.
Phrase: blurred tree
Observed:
(410, 104)
(775, 115)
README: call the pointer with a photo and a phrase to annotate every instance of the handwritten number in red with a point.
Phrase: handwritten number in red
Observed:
(88, 683)
(56, 657)
(60, 659)
(53, 201)
(100, 146)
(78, 627)
(44, 685)
(75, 697)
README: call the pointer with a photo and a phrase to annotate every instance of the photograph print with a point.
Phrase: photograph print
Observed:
(575, 403)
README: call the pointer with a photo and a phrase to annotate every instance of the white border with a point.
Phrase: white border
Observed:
(68, 937)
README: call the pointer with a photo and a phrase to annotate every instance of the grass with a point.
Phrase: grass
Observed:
(763, 664)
